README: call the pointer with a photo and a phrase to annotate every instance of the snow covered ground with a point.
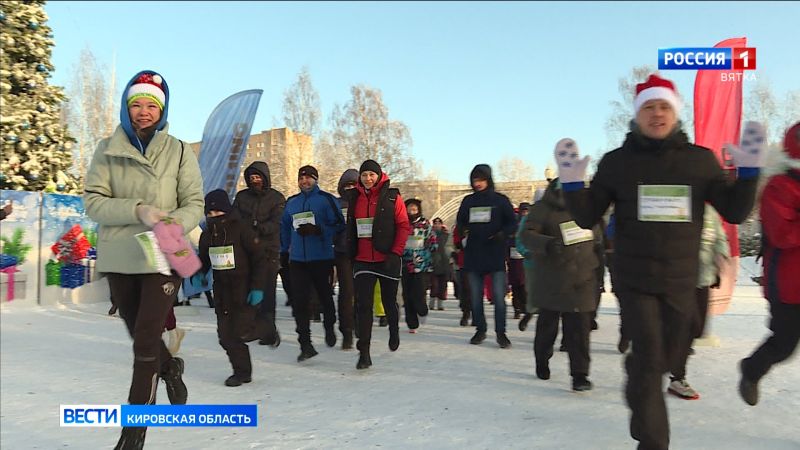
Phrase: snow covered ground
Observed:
(436, 391)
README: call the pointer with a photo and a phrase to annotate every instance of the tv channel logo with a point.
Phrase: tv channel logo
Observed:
(90, 415)
(702, 58)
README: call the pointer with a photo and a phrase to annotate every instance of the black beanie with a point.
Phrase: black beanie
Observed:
(308, 171)
(370, 165)
(524, 205)
(217, 200)
(417, 202)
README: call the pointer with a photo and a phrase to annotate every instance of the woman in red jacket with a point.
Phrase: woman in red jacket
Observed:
(377, 229)
(780, 220)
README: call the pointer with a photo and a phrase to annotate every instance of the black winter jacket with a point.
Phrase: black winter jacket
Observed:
(564, 276)
(248, 251)
(262, 208)
(659, 257)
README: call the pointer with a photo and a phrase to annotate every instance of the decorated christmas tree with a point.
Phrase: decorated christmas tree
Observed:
(36, 149)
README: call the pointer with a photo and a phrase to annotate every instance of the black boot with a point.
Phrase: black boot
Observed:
(581, 384)
(502, 340)
(132, 438)
(347, 340)
(382, 322)
(478, 337)
(176, 389)
(330, 337)
(464, 318)
(237, 380)
(306, 351)
(113, 310)
(394, 339)
(523, 323)
(364, 361)
(748, 389)
(271, 335)
(543, 371)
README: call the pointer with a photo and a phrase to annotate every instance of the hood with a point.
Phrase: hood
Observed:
(261, 168)
(378, 186)
(484, 170)
(554, 196)
(349, 175)
(125, 118)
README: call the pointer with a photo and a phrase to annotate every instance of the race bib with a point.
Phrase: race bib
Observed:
(415, 242)
(480, 214)
(222, 258)
(364, 227)
(665, 203)
(515, 254)
(302, 218)
(572, 234)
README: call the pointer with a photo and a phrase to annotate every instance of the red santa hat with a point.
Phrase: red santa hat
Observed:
(791, 145)
(656, 88)
(148, 85)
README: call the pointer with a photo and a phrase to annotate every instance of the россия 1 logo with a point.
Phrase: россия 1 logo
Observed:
(701, 58)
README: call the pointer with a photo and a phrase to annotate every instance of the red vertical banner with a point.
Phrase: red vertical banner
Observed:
(717, 121)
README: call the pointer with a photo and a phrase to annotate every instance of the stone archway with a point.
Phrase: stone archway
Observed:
(449, 210)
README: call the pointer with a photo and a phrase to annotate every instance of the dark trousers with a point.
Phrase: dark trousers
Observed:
(266, 309)
(518, 298)
(237, 324)
(144, 301)
(414, 298)
(171, 323)
(306, 275)
(439, 286)
(659, 327)
(785, 326)
(346, 300)
(465, 293)
(286, 281)
(365, 298)
(697, 328)
(576, 326)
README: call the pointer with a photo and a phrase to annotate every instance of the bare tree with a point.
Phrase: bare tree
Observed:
(362, 130)
(618, 123)
(92, 109)
(511, 168)
(301, 111)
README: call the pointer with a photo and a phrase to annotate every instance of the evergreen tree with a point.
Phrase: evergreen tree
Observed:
(36, 148)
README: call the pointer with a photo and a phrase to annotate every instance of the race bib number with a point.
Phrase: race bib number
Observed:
(415, 242)
(665, 203)
(572, 234)
(482, 214)
(364, 227)
(222, 258)
(303, 218)
(515, 254)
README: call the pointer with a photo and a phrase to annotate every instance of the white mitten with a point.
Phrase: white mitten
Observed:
(149, 215)
(753, 147)
(570, 168)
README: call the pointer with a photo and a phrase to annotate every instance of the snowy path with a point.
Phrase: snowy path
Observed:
(436, 391)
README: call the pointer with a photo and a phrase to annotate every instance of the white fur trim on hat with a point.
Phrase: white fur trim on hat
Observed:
(657, 93)
(147, 89)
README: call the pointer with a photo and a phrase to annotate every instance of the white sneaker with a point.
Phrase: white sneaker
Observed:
(680, 388)
(175, 337)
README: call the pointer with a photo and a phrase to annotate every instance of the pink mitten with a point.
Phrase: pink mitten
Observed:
(176, 249)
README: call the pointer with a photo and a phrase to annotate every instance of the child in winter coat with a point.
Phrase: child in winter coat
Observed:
(234, 252)
(417, 264)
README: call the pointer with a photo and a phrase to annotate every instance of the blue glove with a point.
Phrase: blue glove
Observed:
(255, 296)
(198, 280)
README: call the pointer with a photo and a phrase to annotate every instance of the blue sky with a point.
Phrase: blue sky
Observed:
(473, 81)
